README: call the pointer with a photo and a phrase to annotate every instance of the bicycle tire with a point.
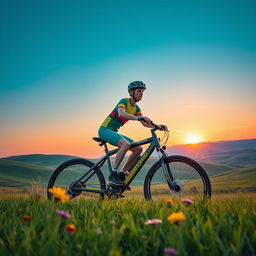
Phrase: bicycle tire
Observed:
(70, 167)
(198, 185)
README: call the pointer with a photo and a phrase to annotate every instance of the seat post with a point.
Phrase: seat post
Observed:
(105, 148)
(108, 159)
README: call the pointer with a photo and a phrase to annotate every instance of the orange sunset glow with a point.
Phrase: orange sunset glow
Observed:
(60, 82)
(194, 139)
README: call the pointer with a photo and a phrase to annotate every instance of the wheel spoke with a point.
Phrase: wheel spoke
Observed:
(68, 176)
(188, 179)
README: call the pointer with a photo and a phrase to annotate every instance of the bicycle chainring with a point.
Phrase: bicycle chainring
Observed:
(114, 191)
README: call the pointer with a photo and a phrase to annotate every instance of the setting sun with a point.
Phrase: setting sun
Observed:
(193, 139)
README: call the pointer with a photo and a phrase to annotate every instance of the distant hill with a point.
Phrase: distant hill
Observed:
(239, 180)
(215, 157)
(13, 173)
(238, 153)
(22, 174)
(52, 161)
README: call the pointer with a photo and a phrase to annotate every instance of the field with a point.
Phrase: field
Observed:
(212, 227)
(222, 225)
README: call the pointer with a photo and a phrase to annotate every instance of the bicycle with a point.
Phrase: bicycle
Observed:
(169, 177)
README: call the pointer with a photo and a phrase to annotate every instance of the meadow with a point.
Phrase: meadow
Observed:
(30, 225)
(217, 226)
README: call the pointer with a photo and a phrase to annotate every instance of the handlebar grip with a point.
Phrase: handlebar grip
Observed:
(141, 118)
(157, 127)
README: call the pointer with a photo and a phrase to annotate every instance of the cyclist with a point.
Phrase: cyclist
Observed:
(126, 109)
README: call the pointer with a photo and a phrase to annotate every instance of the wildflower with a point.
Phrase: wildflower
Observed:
(63, 214)
(118, 210)
(187, 201)
(169, 202)
(176, 217)
(26, 218)
(59, 194)
(153, 222)
(170, 251)
(70, 228)
(98, 231)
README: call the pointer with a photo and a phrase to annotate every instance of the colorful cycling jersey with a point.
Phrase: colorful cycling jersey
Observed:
(113, 121)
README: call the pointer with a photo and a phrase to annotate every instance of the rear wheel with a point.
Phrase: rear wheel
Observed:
(68, 173)
(188, 178)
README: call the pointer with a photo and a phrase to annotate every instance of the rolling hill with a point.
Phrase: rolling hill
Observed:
(239, 180)
(14, 172)
(51, 161)
(236, 154)
(219, 159)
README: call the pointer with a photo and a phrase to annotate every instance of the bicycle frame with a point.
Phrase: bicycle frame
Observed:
(154, 144)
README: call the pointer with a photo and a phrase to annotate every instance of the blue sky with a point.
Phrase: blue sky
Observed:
(43, 37)
(75, 58)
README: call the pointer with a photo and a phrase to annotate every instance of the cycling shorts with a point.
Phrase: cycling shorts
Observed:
(111, 136)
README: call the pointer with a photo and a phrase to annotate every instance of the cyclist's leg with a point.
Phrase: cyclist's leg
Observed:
(109, 136)
(118, 140)
(124, 146)
(132, 158)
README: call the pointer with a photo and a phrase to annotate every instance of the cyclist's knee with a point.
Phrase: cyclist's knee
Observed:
(139, 150)
(124, 144)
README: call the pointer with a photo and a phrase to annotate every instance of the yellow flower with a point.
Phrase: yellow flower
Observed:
(59, 194)
(176, 217)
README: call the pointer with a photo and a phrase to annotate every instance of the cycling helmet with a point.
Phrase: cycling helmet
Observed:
(136, 84)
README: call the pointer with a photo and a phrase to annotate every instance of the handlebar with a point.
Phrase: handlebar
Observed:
(156, 127)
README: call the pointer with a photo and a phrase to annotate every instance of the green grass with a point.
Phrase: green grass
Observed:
(212, 227)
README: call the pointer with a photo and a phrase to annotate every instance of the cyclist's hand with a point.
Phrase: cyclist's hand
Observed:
(147, 120)
(164, 127)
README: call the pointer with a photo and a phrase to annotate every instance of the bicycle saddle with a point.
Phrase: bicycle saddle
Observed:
(101, 141)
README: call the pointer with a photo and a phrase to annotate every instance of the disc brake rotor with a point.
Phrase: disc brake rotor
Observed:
(178, 190)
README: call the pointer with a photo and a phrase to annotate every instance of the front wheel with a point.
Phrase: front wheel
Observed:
(68, 173)
(183, 177)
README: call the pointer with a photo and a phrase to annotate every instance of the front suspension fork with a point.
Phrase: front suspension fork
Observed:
(166, 169)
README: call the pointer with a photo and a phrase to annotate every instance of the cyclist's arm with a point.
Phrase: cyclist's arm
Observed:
(124, 115)
(146, 124)
(149, 124)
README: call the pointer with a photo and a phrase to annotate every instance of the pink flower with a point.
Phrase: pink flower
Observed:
(187, 201)
(153, 222)
(63, 214)
(170, 251)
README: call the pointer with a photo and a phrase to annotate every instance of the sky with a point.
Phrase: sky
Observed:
(66, 64)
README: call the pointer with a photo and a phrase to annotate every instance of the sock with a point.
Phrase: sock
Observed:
(114, 170)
